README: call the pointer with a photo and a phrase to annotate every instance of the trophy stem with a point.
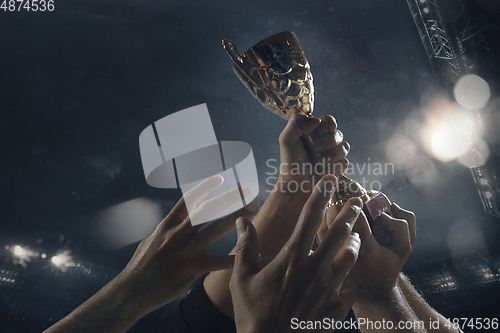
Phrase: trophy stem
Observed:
(346, 188)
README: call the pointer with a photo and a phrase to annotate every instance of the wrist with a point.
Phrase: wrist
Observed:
(124, 296)
(382, 298)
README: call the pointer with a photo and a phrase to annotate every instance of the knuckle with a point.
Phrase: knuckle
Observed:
(329, 120)
(411, 216)
(403, 223)
(346, 147)
(281, 137)
(343, 230)
(351, 254)
(241, 246)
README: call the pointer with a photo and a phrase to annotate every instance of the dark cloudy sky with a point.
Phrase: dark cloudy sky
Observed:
(79, 84)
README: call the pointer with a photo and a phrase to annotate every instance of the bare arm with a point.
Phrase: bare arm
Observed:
(423, 310)
(111, 309)
(281, 208)
(388, 313)
(164, 265)
(278, 215)
(383, 294)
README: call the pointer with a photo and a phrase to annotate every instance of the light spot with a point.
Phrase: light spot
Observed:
(472, 92)
(446, 143)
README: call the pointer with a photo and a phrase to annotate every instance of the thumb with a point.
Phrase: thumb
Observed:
(297, 124)
(247, 257)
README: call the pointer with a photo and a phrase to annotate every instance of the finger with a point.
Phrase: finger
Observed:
(210, 208)
(193, 196)
(246, 260)
(328, 125)
(332, 213)
(323, 229)
(327, 142)
(337, 152)
(346, 258)
(216, 263)
(334, 160)
(312, 214)
(297, 124)
(401, 213)
(340, 229)
(225, 225)
(400, 232)
(362, 227)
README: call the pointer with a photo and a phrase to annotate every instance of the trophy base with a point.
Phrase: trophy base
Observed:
(373, 208)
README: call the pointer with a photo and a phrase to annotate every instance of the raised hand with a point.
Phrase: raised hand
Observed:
(295, 284)
(164, 265)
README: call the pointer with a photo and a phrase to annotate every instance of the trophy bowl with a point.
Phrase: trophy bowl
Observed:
(278, 75)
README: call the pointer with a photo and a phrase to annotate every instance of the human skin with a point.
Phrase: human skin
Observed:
(164, 265)
(295, 284)
(278, 215)
(382, 292)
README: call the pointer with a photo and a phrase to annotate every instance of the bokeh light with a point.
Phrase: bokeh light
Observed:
(56, 260)
(127, 222)
(472, 92)
(402, 151)
(18, 251)
(453, 132)
(465, 237)
(62, 260)
(21, 254)
(446, 142)
(477, 155)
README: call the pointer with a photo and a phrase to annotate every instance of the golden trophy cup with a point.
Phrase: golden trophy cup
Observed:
(278, 75)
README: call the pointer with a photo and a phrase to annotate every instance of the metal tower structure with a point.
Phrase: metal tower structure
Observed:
(461, 37)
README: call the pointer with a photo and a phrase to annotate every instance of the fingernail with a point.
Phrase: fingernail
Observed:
(355, 235)
(218, 177)
(246, 191)
(253, 207)
(356, 201)
(241, 227)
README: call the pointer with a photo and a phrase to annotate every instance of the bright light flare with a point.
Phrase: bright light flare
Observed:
(22, 255)
(63, 260)
(446, 143)
(18, 251)
(452, 132)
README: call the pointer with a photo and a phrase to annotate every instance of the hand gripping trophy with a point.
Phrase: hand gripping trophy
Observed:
(277, 74)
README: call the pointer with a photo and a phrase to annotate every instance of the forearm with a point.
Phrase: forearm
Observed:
(274, 224)
(111, 309)
(390, 313)
(422, 310)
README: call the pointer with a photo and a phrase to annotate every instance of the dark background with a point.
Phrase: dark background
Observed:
(79, 84)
